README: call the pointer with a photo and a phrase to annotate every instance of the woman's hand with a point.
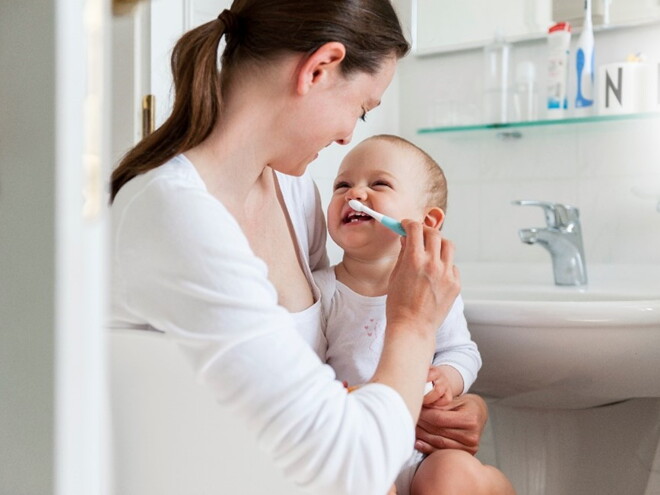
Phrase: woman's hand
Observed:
(424, 282)
(458, 425)
(422, 289)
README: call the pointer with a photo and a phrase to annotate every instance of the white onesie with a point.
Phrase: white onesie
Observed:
(354, 328)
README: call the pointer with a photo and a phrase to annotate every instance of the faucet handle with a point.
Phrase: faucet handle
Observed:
(557, 215)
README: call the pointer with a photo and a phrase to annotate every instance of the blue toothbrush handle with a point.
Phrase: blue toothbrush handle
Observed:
(392, 224)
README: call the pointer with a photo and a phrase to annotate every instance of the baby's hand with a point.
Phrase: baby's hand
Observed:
(392, 490)
(441, 395)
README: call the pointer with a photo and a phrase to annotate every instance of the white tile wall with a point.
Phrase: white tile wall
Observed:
(593, 166)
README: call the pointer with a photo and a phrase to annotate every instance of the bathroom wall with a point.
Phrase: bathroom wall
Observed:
(27, 237)
(593, 166)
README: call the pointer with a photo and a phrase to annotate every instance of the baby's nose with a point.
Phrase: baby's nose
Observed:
(356, 192)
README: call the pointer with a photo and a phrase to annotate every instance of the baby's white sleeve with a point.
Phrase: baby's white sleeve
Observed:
(455, 347)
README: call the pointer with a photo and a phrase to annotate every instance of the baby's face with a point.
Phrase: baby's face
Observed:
(384, 176)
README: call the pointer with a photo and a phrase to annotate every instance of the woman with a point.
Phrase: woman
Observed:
(213, 241)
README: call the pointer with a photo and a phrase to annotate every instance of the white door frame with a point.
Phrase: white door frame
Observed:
(81, 134)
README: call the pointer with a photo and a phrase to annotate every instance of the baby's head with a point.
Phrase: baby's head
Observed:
(433, 183)
(392, 176)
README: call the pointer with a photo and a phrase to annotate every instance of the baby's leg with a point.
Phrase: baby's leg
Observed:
(455, 472)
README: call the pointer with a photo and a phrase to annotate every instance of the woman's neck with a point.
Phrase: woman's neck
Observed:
(234, 159)
(228, 164)
(368, 277)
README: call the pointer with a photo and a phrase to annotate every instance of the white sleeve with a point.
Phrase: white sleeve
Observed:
(185, 267)
(316, 228)
(455, 347)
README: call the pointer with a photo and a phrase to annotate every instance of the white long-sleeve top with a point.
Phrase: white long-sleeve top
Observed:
(355, 329)
(182, 265)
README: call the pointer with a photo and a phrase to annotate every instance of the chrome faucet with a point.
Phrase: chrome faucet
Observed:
(562, 238)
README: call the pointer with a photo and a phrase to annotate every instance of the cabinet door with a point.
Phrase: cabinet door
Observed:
(167, 21)
(142, 46)
(445, 25)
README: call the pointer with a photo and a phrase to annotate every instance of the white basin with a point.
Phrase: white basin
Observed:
(564, 347)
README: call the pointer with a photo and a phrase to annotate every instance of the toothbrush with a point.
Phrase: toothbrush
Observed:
(389, 222)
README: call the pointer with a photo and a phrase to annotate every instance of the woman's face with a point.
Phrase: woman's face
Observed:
(330, 114)
(384, 176)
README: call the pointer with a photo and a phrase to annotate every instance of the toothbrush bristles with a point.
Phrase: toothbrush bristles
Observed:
(356, 205)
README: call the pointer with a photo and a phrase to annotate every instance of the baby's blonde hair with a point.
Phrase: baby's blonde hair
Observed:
(436, 192)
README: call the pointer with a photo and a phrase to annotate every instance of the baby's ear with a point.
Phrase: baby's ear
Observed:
(434, 217)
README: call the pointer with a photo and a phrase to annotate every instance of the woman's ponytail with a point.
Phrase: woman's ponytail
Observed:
(196, 107)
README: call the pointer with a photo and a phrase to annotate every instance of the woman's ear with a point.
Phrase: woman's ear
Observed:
(317, 66)
(434, 217)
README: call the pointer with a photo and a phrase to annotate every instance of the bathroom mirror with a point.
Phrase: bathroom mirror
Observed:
(450, 25)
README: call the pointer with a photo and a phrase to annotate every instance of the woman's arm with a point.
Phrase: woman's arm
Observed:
(422, 290)
(182, 265)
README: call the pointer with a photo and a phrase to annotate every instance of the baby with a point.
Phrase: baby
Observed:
(396, 178)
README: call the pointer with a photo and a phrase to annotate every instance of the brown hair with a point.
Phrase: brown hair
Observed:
(257, 31)
(436, 182)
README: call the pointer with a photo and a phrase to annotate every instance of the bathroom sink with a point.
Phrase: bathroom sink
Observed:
(564, 347)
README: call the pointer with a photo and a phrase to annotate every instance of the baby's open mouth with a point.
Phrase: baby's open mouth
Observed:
(356, 216)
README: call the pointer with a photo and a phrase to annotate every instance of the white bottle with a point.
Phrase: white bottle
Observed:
(559, 42)
(584, 64)
(497, 81)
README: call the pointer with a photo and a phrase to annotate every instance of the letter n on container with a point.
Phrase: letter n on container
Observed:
(627, 87)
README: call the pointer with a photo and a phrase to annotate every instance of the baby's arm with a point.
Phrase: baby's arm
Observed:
(456, 349)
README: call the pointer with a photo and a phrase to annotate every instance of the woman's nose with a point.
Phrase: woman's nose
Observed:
(345, 140)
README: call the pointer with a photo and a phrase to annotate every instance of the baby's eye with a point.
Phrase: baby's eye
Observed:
(363, 117)
(381, 183)
(341, 185)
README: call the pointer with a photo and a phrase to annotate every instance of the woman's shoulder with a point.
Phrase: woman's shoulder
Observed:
(169, 191)
(177, 174)
(171, 198)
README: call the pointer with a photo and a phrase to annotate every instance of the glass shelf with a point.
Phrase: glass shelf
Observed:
(514, 126)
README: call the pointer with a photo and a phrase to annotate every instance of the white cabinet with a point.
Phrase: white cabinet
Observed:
(142, 47)
(446, 25)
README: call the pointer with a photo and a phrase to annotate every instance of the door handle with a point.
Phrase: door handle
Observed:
(148, 115)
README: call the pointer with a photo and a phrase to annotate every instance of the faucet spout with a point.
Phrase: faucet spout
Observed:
(528, 236)
(562, 238)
